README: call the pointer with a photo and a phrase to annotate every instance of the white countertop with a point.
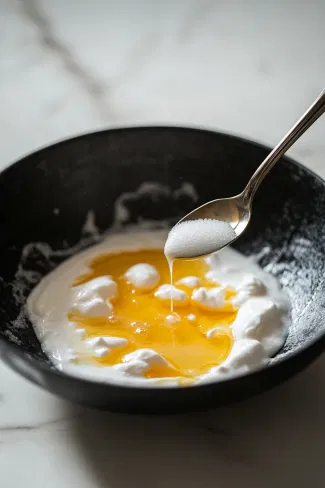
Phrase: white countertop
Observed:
(246, 67)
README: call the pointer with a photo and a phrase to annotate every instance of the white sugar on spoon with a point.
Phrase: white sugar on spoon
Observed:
(196, 238)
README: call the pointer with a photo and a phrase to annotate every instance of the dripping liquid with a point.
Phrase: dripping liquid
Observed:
(170, 265)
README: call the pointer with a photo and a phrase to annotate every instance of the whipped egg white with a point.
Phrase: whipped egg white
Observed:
(259, 329)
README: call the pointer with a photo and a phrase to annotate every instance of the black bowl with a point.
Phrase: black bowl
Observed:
(46, 198)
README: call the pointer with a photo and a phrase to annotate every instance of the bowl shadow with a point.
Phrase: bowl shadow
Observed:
(275, 439)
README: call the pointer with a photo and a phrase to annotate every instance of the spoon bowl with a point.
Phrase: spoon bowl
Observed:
(231, 210)
(236, 211)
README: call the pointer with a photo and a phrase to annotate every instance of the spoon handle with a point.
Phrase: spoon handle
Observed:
(309, 117)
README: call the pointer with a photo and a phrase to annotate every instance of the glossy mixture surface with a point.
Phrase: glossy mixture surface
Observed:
(104, 314)
(140, 317)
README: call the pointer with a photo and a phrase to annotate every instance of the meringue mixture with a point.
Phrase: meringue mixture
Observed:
(105, 314)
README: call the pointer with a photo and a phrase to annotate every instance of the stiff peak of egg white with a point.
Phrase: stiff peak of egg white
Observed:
(93, 298)
(211, 298)
(259, 329)
(138, 362)
(143, 276)
(189, 282)
(101, 346)
(167, 292)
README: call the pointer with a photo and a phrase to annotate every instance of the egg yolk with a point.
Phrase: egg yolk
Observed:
(140, 317)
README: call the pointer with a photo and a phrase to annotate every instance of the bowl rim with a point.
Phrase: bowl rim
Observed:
(273, 366)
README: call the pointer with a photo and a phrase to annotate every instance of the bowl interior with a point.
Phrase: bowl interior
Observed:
(65, 197)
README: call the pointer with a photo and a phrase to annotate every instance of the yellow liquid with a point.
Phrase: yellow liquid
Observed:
(140, 317)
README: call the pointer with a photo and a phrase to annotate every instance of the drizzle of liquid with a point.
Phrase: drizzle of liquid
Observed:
(140, 317)
(170, 262)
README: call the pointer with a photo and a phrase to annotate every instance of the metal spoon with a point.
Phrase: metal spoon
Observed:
(237, 210)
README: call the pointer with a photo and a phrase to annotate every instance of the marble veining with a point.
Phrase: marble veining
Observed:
(244, 67)
(26, 428)
(34, 13)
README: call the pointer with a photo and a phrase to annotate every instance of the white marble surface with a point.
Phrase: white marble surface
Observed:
(247, 67)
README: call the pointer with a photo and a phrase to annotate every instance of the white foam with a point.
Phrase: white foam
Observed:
(189, 281)
(93, 298)
(167, 292)
(246, 355)
(93, 307)
(102, 345)
(200, 237)
(143, 276)
(259, 318)
(212, 298)
(138, 362)
(173, 318)
(103, 286)
(249, 287)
